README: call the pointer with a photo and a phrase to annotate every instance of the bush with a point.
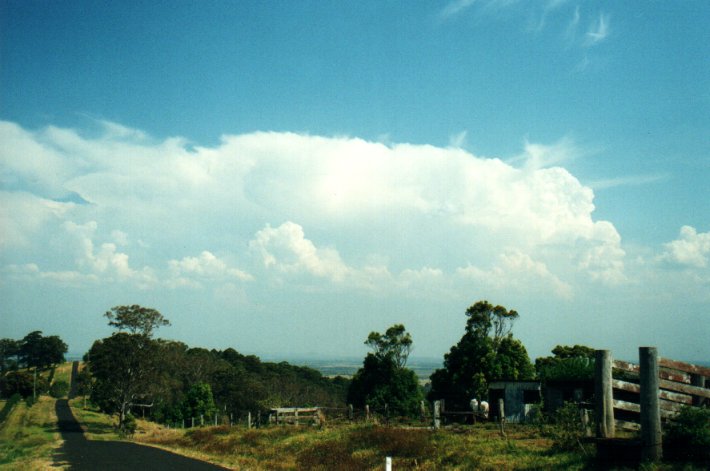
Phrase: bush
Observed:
(59, 389)
(128, 427)
(403, 443)
(567, 431)
(687, 437)
(330, 455)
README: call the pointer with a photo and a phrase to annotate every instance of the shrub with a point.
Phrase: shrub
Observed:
(404, 443)
(687, 437)
(59, 389)
(567, 431)
(330, 455)
(128, 428)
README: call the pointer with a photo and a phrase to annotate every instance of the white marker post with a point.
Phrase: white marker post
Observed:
(388, 464)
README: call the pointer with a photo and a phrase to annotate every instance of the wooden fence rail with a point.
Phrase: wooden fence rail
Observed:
(651, 392)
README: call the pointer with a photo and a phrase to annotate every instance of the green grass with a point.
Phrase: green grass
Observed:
(29, 436)
(96, 425)
(63, 372)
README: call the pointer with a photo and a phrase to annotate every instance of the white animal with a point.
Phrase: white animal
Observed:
(474, 404)
(483, 408)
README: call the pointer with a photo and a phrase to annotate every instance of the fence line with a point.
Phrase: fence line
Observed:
(652, 391)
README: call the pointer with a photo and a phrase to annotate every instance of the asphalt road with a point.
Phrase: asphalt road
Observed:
(81, 454)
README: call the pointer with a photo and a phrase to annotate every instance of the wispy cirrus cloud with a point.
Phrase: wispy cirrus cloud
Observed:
(598, 31)
(630, 180)
(455, 8)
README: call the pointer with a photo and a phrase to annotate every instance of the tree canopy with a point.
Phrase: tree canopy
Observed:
(130, 369)
(33, 351)
(136, 319)
(567, 363)
(486, 352)
(383, 380)
(124, 368)
(395, 344)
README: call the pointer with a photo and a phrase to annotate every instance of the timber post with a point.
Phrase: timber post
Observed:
(651, 437)
(604, 402)
(437, 415)
(501, 416)
(699, 381)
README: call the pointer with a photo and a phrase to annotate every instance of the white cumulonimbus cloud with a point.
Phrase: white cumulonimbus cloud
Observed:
(400, 214)
(691, 249)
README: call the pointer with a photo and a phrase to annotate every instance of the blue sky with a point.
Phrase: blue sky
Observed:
(285, 177)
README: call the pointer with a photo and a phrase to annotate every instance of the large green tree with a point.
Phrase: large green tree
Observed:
(486, 352)
(124, 370)
(395, 344)
(126, 367)
(38, 351)
(383, 380)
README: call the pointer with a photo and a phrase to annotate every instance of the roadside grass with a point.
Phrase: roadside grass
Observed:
(365, 447)
(29, 436)
(96, 425)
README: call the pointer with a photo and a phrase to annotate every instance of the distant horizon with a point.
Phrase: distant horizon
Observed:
(354, 361)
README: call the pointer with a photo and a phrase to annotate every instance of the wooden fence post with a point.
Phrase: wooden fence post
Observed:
(249, 420)
(367, 413)
(698, 380)
(584, 416)
(604, 406)
(437, 415)
(501, 416)
(422, 411)
(651, 440)
(351, 413)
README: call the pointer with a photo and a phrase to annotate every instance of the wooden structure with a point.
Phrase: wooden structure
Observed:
(295, 415)
(556, 392)
(650, 392)
(519, 397)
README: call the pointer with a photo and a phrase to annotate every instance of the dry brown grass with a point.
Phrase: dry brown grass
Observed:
(365, 447)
